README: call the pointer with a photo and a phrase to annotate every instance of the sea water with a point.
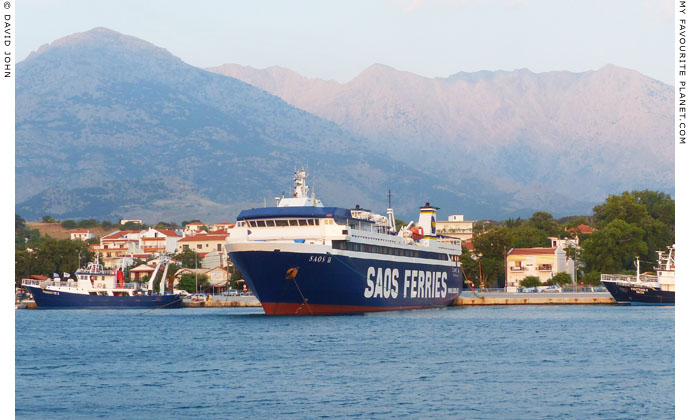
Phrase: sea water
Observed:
(502, 362)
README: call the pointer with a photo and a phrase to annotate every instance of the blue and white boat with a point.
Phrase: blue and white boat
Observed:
(302, 258)
(646, 289)
(99, 288)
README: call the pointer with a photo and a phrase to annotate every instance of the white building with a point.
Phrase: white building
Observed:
(543, 263)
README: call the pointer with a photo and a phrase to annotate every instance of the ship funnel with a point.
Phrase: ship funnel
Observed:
(427, 220)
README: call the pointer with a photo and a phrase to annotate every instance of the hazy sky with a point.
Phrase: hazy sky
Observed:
(339, 39)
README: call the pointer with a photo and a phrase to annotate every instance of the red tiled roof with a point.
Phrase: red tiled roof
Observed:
(167, 232)
(532, 251)
(584, 229)
(119, 234)
(204, 238)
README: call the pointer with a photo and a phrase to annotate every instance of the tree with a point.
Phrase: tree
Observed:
(133, 226)
(592, 278)
(48, 219)
(87, 223)
(166, 225)
(50, 256)
(613, 248)
(491, 248)
(189, 281)
(653, 212)
(545, 222)
(69, 224)
(188, 258)
(530, 281)
(529, 236)
(561, 279)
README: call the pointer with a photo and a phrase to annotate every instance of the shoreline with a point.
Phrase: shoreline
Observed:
(466, 298)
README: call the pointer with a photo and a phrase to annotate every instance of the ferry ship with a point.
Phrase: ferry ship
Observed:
(302, 258)
(646, 289)
(99, 288)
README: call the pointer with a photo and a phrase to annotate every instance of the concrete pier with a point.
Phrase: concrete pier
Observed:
(223, 302)
(498, 298)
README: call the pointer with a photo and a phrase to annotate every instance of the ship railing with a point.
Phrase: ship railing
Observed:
(56, 283)
(644, 278)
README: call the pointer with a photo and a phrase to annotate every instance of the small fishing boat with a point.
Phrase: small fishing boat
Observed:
(96, 287)
(646, 289)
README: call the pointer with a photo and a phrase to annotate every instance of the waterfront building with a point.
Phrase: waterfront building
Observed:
(543, 263)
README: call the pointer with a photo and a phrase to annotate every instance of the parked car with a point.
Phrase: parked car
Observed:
(600, 289)
(199, 297)
(182, 293)
(553, 289)
(231, 292)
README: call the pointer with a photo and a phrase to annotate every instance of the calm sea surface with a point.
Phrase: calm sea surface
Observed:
(514, 362)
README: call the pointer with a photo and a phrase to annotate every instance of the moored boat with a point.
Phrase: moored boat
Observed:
(301, 258)
(646, 289)
(96, 287)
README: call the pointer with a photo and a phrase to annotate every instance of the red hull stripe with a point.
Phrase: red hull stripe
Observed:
(273, 308)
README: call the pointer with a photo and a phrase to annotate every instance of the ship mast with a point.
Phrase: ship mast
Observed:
(391, 215)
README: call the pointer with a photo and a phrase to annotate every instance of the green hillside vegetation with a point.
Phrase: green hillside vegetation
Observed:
(631, 224)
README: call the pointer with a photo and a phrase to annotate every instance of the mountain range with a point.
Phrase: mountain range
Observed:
(109, 126)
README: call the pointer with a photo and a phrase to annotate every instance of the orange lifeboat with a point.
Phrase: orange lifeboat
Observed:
(417, 232)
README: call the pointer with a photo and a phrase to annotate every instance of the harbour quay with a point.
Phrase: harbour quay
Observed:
(476, 298)
(215, 301)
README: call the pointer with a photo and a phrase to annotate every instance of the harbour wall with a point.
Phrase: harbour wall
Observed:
(497, 298)
(465, 299)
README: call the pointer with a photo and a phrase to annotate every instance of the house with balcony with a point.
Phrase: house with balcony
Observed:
(159, 241)
(543, 263)
(117, 245)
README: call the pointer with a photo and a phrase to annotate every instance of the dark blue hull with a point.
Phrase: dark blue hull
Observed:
(639, 295)
(49, 299)
(289, 283)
